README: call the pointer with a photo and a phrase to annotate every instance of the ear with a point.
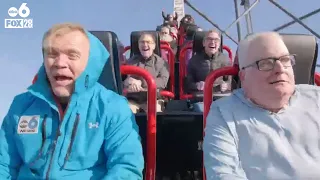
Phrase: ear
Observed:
(242, 75)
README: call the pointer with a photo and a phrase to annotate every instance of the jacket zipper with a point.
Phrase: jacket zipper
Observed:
(61, 115)
(44, 137)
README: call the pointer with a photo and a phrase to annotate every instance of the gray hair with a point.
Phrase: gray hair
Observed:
(244, 45)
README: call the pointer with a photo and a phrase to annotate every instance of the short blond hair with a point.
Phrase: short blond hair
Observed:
(60, 30)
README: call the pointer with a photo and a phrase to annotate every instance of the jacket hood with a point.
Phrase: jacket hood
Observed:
(98, 57)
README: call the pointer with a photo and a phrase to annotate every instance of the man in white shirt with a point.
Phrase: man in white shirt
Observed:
(270, 128)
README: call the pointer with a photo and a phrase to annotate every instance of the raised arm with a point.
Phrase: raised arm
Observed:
(10, 160)
(164, 16)
(123, 145)
(175, 16)
(221, 158)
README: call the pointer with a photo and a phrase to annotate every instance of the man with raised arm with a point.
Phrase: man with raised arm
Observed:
(268, 129)
(68, 126)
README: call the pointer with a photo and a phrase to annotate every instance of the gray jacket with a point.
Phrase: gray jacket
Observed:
(156, 66)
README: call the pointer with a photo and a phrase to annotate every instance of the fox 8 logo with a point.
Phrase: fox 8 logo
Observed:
(23, 12)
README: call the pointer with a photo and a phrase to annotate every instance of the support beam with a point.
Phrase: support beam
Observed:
(243, 14)
(246, 5)
(295, 18)
(300, 18)
(236, 8)
(206, 18)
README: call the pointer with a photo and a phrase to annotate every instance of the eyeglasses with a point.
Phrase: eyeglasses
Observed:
(268, 64)
(146, 42)
(213, 39)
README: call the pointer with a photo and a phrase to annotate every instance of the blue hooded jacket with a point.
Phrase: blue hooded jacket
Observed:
(96, 138)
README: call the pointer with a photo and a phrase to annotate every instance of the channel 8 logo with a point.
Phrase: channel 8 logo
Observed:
(23, 12)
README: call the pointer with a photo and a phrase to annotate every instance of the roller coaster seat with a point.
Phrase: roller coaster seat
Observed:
(112, 67)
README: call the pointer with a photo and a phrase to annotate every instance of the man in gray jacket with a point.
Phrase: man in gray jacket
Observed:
(264, 130)
(155, 65)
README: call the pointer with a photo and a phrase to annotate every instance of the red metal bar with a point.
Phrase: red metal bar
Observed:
(317, 78)
(171, 65)
(164, 43)
(228, 49)
(126, 49)
(207, 99)
(167, 94)
(182, 70)
(173, 36)
(151, 117)
(181, 36)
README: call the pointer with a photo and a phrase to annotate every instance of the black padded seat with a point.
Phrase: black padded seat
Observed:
(134, 42)
(111, 75)
(190, 31)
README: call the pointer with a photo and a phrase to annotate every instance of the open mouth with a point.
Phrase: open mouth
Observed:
(212, 47)
(62, 78)
(279, 81)
(145, 49)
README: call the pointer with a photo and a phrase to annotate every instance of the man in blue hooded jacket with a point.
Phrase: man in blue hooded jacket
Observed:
(68, 126)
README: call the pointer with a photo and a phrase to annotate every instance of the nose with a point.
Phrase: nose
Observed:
(61, 61)
(278, 67)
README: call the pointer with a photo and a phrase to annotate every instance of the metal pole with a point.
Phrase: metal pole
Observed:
(301, 18)
(243, 14)
(295, 18)
(246, 5)
(236, 8)
(206, 18)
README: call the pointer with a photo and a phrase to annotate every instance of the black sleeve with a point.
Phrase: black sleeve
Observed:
(190, 81)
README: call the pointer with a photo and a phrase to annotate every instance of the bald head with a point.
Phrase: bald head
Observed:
(268, 87)
(260, 45)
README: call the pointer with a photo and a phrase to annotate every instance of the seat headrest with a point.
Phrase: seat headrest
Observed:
(134, 38)
(111, 75)
(198, 42)
(306, 49)
(191, 30)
